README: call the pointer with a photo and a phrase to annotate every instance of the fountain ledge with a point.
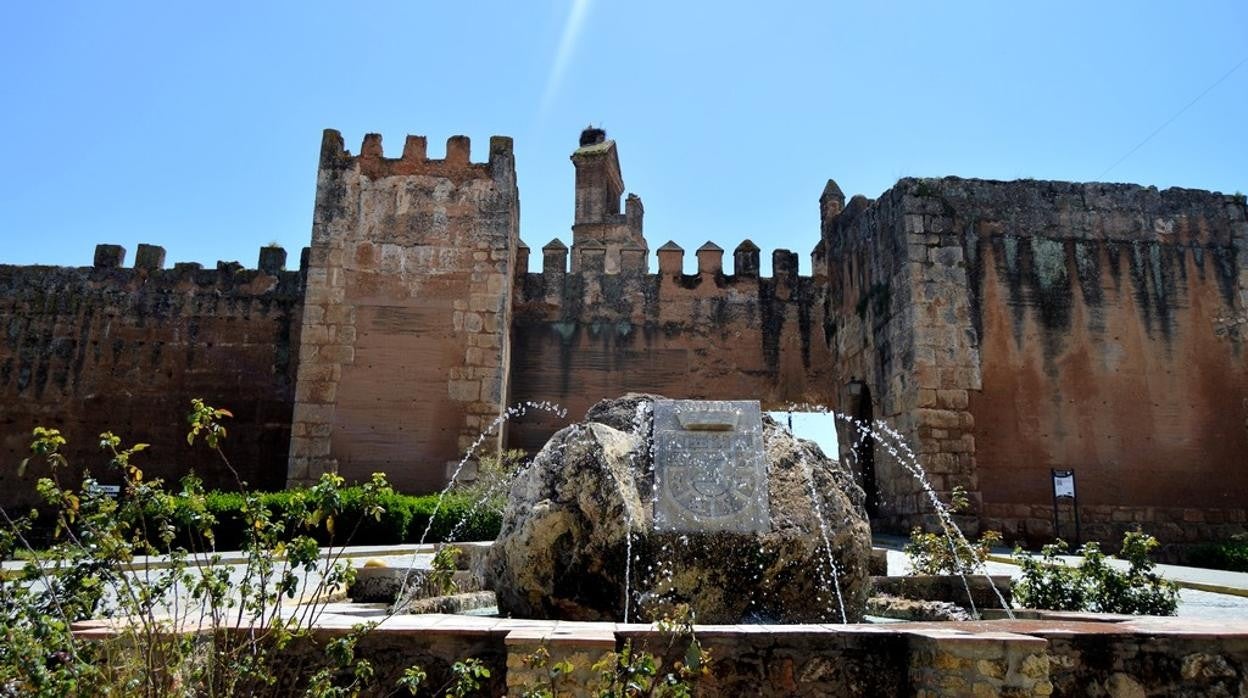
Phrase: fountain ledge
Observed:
(1041, 653)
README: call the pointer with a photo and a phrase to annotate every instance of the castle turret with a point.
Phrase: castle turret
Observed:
(598, 221)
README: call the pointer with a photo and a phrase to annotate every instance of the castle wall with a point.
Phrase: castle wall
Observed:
(581, 337)
(1085, 326)
(404, 342)
(93, 349)
(1112, 340)
(902, 356)
(1009, 328)
(1000, 328)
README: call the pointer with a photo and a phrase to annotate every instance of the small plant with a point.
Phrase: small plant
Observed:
(1230, 555)
(444, 565)
(633, 671)
(1048, 582)
(553, 674)
(494, 475)
(466, 679)
(1094, 585)
(413, 678)
(932, 553)
(196, 625)
(638, 672)
(948, 552)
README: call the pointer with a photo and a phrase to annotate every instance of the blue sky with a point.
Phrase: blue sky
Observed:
(197, 126)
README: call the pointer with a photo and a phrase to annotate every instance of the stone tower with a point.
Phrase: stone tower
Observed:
(604, 239)
(404, 343)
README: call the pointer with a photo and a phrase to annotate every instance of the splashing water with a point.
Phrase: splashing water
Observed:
(809, 471)
(515, 411)
(641, 420)
(883, 434)
(893, 442)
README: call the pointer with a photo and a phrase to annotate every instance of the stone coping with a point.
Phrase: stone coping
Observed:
(518, 630)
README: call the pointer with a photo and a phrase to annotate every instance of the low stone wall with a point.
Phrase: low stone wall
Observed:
(1147, 657)
(1048, 654)
(947, 587)
(1175, 526)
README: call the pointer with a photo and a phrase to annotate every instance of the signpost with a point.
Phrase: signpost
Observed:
(1064, 488)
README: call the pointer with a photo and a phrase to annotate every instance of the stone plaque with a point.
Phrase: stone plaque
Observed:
(709, 466)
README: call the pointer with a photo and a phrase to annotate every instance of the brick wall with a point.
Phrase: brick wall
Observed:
(404, 344)
(107, 347)
(584, 336)
(1092, 327)
(1106, 316)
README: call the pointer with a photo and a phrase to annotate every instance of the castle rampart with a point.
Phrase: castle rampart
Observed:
(1010, 328)
(110, 347)
(583, 335)
(1003, 329)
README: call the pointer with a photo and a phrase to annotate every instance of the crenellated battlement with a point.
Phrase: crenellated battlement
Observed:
(151, 258)
(456, 165)
(148, 271)
(671, 257)
(126, 347)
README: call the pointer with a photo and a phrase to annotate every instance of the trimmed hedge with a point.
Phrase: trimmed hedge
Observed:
(1231, 556)
(404, 520)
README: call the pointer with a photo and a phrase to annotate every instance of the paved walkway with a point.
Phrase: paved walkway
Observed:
(1205, 593)
(391, 554)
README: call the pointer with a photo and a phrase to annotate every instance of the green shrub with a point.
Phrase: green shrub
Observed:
(949, 552)
(932, 553)
(1231, 555)
(200, 647)
(403, 518)
(456, 519)
(1048, 582)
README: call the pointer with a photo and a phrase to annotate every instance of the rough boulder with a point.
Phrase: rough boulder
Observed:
(587, 502)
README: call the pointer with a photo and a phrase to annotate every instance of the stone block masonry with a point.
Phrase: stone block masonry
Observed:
(1050, 656)
(404, 346)
(998, 330)
(92, 349)
(582, 336)
(1008, 328)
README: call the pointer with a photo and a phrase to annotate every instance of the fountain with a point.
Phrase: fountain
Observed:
(650, 503)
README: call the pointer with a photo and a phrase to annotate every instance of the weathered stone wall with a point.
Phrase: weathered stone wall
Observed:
(1086, 326)
(1006, 328)
(1108, 345)
(581, 337)
(1001, 328)
(903, 355)
(101, 348)
(1113, 661)
(404, 343)
(1052, 655)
